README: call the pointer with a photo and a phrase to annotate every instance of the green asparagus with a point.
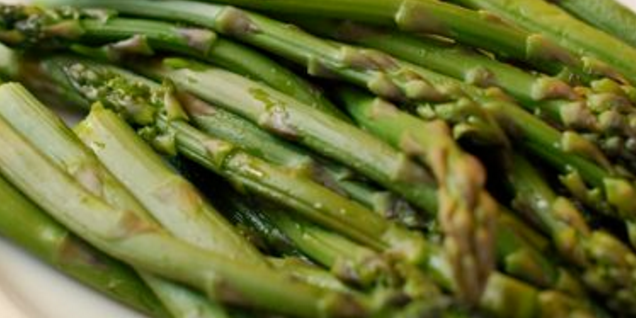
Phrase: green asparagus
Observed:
(143, 37)
(586, 147)
(294, 191)
(172, 200)
(242, 103)
(460, 176)
(204, 91)
(551, 21)
(329, 249)
(418, 16)
(219, 123)
(603, 110)
(142, 244)
(343, 256)
(315, 194)
(607, 265)
(609, 16)
(28, 226)
(517, 256)
(44, 129)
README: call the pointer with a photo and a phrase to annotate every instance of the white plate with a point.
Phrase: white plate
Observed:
(29, 289)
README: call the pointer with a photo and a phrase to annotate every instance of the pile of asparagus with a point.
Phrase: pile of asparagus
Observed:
(333, 158)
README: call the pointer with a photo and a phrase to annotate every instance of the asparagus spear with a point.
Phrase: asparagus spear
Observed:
(609, 16)
(377, 72)
(142, 244)
(28, 226)
(172, 200)
(219, 123)
(440, 80)
(315, 202)
(111, 145)
(559, 26)
(574, 154)
(181, 301)
(197, 156)
(143, 37)
(414, 194)
(188, 81)
(388, 76)
(334, 251)
(314, 129)
(304, 271)
(384, 119)
(223, 124)
(204, 90)
(471, 91)
(45, 130)
(358, 263)
(352, 263)
(374, 70)
(420, 288)
(597, 112)
(198, 42)
(461, 177)
(533, 132)
(607, 265)
(256, 226)
(424, 16)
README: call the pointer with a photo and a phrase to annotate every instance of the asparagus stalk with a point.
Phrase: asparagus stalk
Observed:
(334, 251)
(424, 16)
(504, 290)
(219, 123)
(304, 271)
(548, 19)
(28, 226)
(606, 185)
(607, 265)
(352, 263)
(369, 78)
(142, 244)
(198, 42)
(384, 119)
(255, 225)
(461, 178)
(321, 131)
(441, 81)
(568, 151)
(143, 37)
(367, 68)
(179, 68)
(179, 39)
(201, 89)
(609, 16)
(182, 301)
(114, 160)
(172, 200)
(197, 87)
(513, 260)
(314, 129)
(46, 131)
(573, 154)
(360, 266)
(596, 111)
(289, 189)
(272, 227)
